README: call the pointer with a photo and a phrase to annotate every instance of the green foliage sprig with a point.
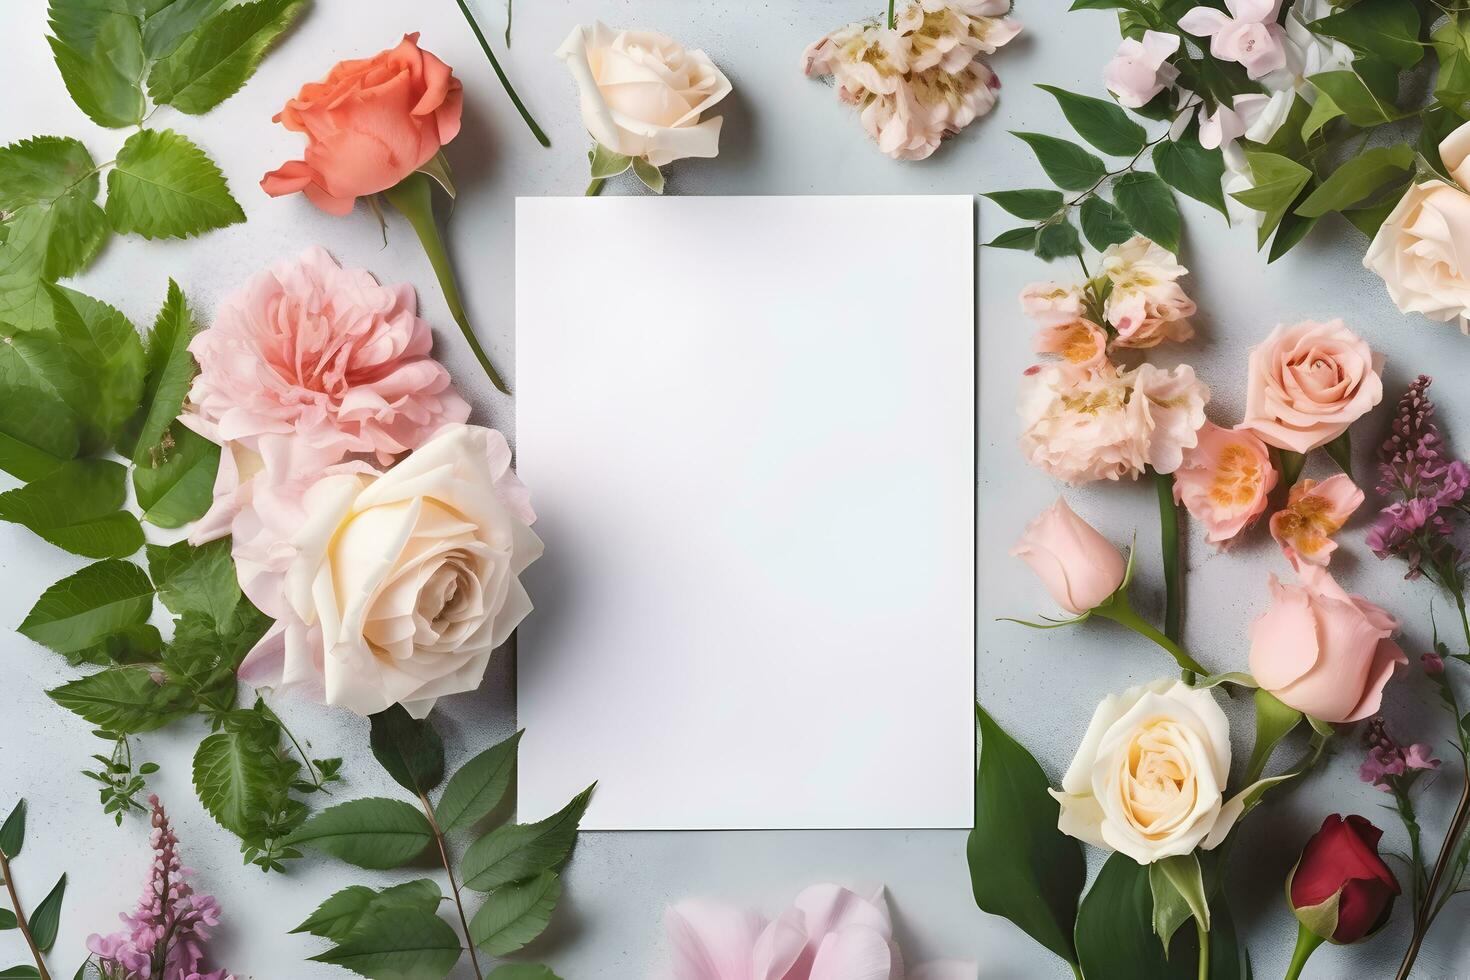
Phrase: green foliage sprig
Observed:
(40, 927)
(396, 931)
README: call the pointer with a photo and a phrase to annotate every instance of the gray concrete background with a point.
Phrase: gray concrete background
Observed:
(783, 135)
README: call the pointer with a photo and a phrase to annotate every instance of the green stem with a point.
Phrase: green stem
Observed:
(453, 884)
(20, 918)
(892, 21)
(1306, 944)
(1076, 970)
(500, 73)
(413, 197)
(595, 188)
(305, 760)
(1169, 539)
(1121, 613)
(1204, 949)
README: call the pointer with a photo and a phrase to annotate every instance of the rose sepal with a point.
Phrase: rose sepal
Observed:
(607, 163)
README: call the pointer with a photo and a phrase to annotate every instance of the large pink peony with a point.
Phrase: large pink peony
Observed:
(325, 354)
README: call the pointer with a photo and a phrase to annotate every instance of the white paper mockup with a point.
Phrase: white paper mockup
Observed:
(748, 428)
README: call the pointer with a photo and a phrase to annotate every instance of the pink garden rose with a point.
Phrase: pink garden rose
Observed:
(325, 355)
(1225, 481)
(1248, 35)
(1081, 344)
(1322, 651)
(1078, 566)
(1169, 410)
(1313, 514)
(1141, 70)
(1308, 382)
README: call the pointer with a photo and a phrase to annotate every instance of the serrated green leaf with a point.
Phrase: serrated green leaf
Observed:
(1058, 240)
(1149, 206)
(78, 508)
(374, 832)
(176, 485)
(1388, 29)
(1278, 181)
(479, 785)
(82, 609)
(1033, 205)
(50, 224)
(408, 748)
(46, 917)
(1101, 122)
(1351, 93)
(1068, 165)
(1359, 177)
(398, 944)
(170, 369)
(191, 579)
(166, 23)
(515, 914)
(1103, 224)
(99, 52)
(1192, 170)
(166, 187)
(338, 917)
(121, 699)
(43, 168)
(233, 776)
(13, 831)
(518, 851)
(38, 433)
(1020, 238)
(218, 59)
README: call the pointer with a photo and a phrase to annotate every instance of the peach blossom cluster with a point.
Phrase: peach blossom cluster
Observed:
(921, 80)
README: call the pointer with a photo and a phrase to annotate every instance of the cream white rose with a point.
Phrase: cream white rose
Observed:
(1149, 778)
(643, 94)
(400, 585)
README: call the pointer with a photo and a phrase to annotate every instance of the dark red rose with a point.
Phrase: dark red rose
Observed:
(1341, 860)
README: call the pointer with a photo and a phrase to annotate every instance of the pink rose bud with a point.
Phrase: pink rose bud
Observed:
(1078, 566)
(1433, 664)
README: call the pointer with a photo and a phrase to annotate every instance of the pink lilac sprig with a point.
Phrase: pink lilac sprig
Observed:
(1394, 769)
(1426, 489)
(165, 935)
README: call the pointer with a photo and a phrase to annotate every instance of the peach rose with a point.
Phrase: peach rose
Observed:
(1078, 566)
(1224, 481)
(1324, 652)
(1313, 514)
(369, 124)
(1308, 382)
(1146, 304)
(1081, 344)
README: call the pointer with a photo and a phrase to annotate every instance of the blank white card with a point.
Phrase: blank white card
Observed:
(748, 426)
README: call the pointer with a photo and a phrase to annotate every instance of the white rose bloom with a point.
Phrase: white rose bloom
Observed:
(1149, 778)
(643, 94)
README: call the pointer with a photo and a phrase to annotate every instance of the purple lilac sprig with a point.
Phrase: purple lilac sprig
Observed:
(165, 935)
(1426, 490)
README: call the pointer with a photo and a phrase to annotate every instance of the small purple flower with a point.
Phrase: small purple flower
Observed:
(1386, 760)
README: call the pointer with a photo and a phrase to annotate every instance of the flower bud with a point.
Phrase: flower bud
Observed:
(1341, 890)
(1078, 566)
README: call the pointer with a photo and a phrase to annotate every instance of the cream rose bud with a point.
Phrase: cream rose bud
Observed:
(643, 94)
(1078, 566)
(412, 577)
(1149, 778)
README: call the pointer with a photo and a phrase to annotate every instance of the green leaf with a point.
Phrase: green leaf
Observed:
(191, 579)
(521, 971)
(233, 775)
(84, 608)
(606, 163)
(408, 748)
(515, 914)
(219, 58)
(1102, 123)
(168, 22)
(1451, 42)
(1359, 178)
(1115, 934)
(178, 486)
(1178, 879)
(1351, 93)
(1068, 165)
(122, 699)
(170, 369)
(1057, 241)
(371, 833)
(1033, 205)
(1386, 28)
(1103, 224)
(338, 917)
(1278, 181)
(46, 917)
(1149, 207)
(8, 920)
(479, 786)
(98, 49)
(166, 187)
(77, 507)
(1340, 450)
(1293, 229)
(398, 944)
(1274, 721)
(652, 177)
(1192, 170)
(13, 831)
(1021, 866)
(37, 431)
(50, 224)
(1021, 238)
(1369, 219)
(518, 851)
(21, 972)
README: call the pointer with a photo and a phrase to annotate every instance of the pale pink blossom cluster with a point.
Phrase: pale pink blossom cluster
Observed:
(165, 935)
(1086, 418)
(923, 79)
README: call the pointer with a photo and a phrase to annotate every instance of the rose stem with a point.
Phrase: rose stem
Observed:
(500, 73)
(20, 917)
(1121, 613)
(1204, 949)
(453, 885)
(1306, 944)
(892, 23)
(1169, 539)
(413, 197)
(310, 766)
(594, 188)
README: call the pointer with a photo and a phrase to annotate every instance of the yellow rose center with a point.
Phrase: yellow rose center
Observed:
(1158, 786)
